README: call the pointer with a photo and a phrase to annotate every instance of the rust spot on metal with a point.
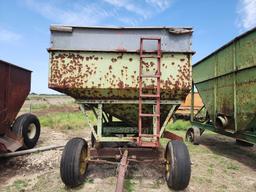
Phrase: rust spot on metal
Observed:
(130, 59)
(121, 84)
(121, 50)
(120, 56)
(113, 60)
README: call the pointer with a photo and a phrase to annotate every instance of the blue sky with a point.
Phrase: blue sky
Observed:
(25, 36)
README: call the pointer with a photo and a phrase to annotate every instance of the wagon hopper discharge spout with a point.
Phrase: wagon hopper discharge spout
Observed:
(133, 79)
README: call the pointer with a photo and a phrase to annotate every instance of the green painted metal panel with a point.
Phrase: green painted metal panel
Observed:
(226, 81)
(245, 51)
(207, 68)
(207, 95)
(225, 61)
(246, 98)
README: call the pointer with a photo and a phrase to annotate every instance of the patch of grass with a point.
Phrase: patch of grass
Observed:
(202, 179)
(157, 184)
(164, 142)
(64, 120)
(36, 107)
(222, 188)
(18, 185)
(128, 185)
(227, 165)
(88, 180)
(210, 171)
(178, 125)
(232, 166)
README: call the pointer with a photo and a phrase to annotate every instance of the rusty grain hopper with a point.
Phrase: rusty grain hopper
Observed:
(22, 132)
(133, 79)
(226, 81)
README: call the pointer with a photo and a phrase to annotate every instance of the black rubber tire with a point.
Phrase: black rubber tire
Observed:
(70, 162)
(93, 140)
(21, 128)
(193, 135)
(243, 143)
(178, 160)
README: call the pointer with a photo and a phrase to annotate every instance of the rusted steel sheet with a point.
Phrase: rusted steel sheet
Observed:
(226, 82)
(121, 172)
(171, 136)
(93, 75)
(125, 39)
(15, 87)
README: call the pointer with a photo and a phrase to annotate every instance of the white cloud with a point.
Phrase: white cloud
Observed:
(96, 12)
(247, 14)
(145, 8)
(130, 6)
(8, 36)
(84, 14)
(162, 4)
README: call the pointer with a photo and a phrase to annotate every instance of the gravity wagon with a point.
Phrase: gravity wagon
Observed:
(226, 82)
(22, 132)
(133, 79)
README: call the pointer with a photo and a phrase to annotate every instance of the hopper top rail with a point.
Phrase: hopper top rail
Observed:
(15, 66)
(226, 45)
(118, 39)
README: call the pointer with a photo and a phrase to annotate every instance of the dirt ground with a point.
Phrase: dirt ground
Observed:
(217, 165)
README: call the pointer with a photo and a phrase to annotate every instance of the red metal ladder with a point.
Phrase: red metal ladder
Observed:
(156, 97)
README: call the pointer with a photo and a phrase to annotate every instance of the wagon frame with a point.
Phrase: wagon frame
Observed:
(198, 127)
(101, 116)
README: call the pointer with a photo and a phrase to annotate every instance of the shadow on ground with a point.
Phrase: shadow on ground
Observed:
(225, 146)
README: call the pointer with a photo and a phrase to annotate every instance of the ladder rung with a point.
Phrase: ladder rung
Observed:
(150, 38)
(150, 56)
(149, 144)
(148, 135)
(149, 115)
(149, 95)
(156, 76)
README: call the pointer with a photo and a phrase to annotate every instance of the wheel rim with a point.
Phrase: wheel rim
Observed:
(83, 161)
(31, 131)
(190, 136)
(168, 166)
(167, 169)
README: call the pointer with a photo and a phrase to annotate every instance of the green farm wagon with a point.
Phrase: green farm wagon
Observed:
(226, 82)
